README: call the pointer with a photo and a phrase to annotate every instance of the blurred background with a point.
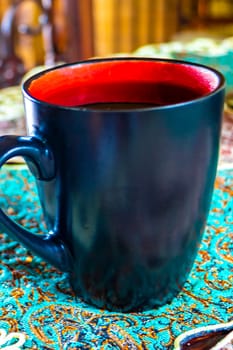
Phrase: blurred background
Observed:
(38, 32)
(35, 34)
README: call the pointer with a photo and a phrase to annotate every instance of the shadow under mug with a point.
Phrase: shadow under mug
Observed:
(125, 153)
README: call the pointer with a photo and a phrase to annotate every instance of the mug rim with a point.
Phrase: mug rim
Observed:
(220, 86)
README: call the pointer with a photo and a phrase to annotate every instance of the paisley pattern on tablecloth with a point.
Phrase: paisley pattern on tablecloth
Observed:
(36, 299)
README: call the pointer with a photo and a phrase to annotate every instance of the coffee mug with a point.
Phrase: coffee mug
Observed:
(124, 152)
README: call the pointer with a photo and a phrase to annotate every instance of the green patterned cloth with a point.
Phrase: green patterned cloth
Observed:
(37, 301)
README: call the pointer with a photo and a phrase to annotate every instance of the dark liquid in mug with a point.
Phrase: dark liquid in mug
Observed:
(116, 106)
(149, 96)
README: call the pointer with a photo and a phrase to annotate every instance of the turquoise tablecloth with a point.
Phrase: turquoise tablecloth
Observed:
(36, 299)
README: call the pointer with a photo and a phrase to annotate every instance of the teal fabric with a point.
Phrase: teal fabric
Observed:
(36, 299)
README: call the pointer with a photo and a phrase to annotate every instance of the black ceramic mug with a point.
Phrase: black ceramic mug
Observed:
(125, 152)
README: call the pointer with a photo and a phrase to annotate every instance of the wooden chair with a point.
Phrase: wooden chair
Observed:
(91, 27)
(12, 67)
(105, 27)
(80, 38)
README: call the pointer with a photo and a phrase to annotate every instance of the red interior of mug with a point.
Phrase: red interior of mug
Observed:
(124, 81)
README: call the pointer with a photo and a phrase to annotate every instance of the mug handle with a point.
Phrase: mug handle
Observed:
(40, 161)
